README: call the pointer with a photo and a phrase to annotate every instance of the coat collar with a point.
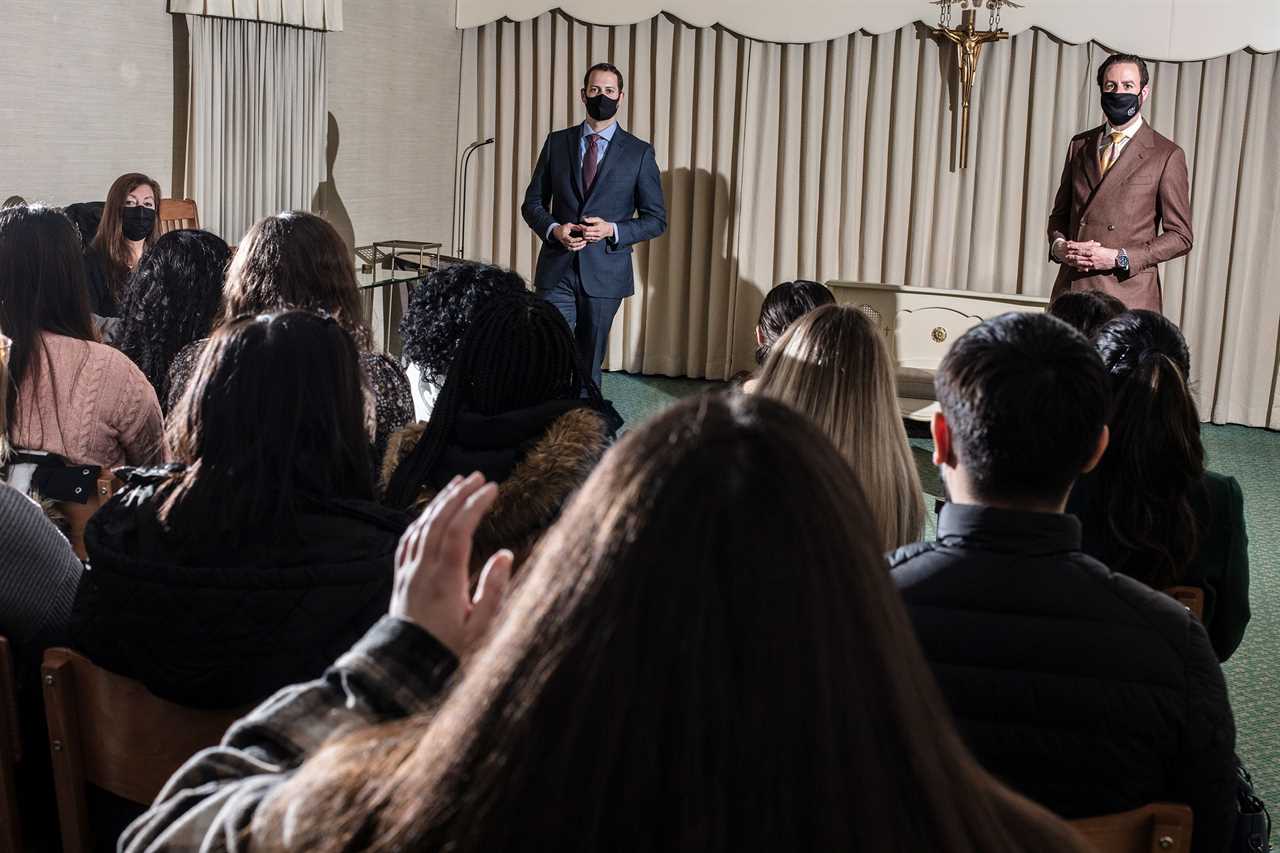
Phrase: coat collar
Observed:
(1135, 152)
(1008, 529)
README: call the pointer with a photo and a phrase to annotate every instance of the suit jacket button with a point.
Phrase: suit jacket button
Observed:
(1111, 228)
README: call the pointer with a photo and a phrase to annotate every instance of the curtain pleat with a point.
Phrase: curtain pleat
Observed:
(256, 138)
(837, 160)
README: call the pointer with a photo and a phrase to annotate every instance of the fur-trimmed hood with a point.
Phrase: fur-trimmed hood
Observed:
(531, 497)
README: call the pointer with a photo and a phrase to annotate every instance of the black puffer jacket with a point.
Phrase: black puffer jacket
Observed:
(1082, 689)
(226, 630)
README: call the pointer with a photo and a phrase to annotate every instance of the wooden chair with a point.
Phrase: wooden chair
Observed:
(110, 731)
(1154, 828)
(1190, 597)
(178, 213)
(10, 754)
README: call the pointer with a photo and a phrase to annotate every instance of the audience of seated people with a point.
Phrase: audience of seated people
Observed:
(1086, 310)
(782, 306)
(834, 366)
(516, 406)
(297, 260)
(662, 579)
(1151, 510)
(130, 225)
(668, 675)
(439, 314)
(260, 554)
(68, 394)
(172, 299)
(1083, 689)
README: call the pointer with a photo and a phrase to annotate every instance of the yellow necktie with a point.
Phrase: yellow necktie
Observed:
(1109, 153)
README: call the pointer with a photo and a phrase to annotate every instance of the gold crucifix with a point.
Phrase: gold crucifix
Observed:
(969, 41)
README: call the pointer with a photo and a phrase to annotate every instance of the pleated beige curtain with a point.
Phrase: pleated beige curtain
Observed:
(833, 160)
(257, 120)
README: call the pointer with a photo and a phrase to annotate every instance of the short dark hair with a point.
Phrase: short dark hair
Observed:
(785, 304)
(602, 66)
(1086, 310)
(1121, 59)
(441, 310)
(1025, 397)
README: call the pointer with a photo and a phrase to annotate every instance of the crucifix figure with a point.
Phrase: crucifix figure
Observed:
(969, 41)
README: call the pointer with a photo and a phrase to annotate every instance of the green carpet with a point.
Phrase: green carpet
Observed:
(1252, 456)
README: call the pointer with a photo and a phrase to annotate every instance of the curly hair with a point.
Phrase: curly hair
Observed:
(173, 298)
(441, 310)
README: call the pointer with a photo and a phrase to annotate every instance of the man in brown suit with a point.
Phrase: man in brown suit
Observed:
(1122, 206)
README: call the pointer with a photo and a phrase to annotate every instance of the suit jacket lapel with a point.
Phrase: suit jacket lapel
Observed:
(1092, 166)
(1131, 156)
(572, 141)
(619, 139)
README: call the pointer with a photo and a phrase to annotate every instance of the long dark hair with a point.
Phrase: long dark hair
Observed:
(172, 299)
(110, 241)
(706, 653)
(1155, 461)
(42, 289)
(517, 353)
(274, 416)
(295, 260)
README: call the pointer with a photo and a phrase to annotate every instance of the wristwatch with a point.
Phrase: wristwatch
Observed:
(1122, 261)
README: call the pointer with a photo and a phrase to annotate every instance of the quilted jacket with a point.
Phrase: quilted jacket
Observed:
(1080, 688)
(225, 630)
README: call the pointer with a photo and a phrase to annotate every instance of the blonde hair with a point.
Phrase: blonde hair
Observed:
(833, 365)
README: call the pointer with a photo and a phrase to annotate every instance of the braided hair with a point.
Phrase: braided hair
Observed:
(518, 353)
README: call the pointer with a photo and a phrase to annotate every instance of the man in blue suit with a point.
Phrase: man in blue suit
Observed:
(595, 193)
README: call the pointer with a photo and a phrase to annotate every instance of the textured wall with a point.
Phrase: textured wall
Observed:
(86, 94)
(393, 104)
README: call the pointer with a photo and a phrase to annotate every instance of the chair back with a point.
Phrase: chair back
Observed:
(1190, 597)
(1154, 828)
(10, 754)
(178, 213)
(110, 731)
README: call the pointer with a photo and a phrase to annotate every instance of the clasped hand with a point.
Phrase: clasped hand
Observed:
(593, 230)
(1088, 255)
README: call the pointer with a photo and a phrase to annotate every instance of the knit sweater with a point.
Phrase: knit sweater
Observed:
(88, 403)
(38, 574)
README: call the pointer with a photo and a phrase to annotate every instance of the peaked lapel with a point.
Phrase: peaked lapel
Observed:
(572, 138)
(1131, 157)
(1089, 154)
(619, 139)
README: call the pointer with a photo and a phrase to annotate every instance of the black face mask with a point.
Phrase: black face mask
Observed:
(138, 222)
(1120, 107)
(601, 107)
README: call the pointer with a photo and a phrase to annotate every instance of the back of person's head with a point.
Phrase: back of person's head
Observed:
(1025, 400)
(782, 306)
(110, 239)
(517, 353)
(441, 309)
(295, 260)
(1086, 310)
(274, 415)
(173, 298)
(834, 366)
(42, 287)
(706, 654)
(1156, 458)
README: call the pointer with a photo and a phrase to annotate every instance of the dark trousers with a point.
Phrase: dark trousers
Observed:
(589, 317)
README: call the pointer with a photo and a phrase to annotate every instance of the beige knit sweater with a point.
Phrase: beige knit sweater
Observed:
(89, 403)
